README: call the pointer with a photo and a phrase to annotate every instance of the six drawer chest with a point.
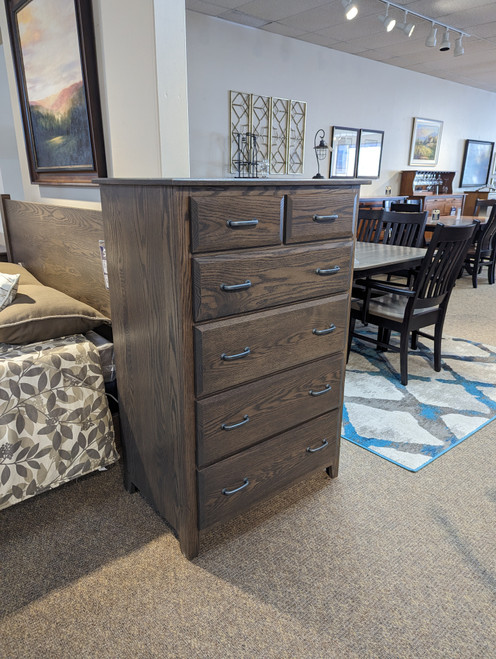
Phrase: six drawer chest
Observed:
(230, 302)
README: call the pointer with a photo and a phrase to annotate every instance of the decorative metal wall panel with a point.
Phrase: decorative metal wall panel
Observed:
(260, 124)
(280, 130)
(266, 130)
(240, 122)
(296, 137)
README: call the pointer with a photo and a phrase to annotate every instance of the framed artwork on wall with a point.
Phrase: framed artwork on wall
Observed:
(344, 151)
(54, 55)
(370, 153)
(426, 140)
(356, 152)
(476, 163)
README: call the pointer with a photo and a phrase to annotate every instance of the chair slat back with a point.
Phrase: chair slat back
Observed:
(368, 220)
(405, 229)
(403, 207)
(483, 205)
(442, 263)
(487, 233)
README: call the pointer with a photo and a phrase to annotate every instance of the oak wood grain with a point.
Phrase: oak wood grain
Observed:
(59, 246)
(277, 339)
(216, 217)
(308, 214)
(271, 405)
(276, 276)
(268, 467)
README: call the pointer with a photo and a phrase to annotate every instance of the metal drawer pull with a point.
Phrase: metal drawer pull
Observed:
(240, 355)
(330, 271)
(324, 218)
(319, 448)
(236, 287)
(322, 391)
(246, 418)
(246, 482)
(327, 330)
(241, 224)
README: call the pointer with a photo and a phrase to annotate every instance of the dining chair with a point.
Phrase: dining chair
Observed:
(405, 229)
(483, 205)
(408, 309)
(367, 221)
(482, 254)
(405, 207)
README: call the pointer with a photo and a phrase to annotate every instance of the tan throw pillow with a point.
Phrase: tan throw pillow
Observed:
(8, 289)
(39, 313)
(25, 276)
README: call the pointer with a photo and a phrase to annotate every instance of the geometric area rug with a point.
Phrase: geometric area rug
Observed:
(413, 425)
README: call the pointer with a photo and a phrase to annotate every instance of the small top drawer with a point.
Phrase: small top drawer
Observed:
(320, 214)
(231, 221)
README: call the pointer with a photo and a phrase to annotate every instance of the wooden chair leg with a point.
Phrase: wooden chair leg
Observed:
(438, 337)
(491, 271)
(404, 357)
(350, 337)
(414, 342)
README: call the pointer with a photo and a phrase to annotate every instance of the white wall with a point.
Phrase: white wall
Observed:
(340, 89)
(10, 172)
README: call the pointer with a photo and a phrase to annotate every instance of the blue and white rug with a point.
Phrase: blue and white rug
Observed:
(413, 425)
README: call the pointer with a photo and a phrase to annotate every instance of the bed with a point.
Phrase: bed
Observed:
(55, 419)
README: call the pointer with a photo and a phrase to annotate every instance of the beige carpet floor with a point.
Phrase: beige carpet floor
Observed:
(380, 562)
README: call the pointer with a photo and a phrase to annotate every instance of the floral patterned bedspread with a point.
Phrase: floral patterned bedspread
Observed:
(55, 423)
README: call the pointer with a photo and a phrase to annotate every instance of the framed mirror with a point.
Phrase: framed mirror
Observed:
(369, 153)
(344, 151)
(476, 163)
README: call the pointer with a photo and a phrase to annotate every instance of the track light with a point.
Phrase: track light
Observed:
(432, 38)
(459, 50)
(405, 27)
(446, 45)
(389, 22)
(408, 28)
(350, 9)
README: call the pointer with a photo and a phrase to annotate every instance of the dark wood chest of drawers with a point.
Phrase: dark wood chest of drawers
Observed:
(230, 304)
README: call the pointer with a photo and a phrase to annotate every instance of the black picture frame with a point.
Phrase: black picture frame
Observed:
(350, 155)
(344, 145)
(63, 130)
(369, 153)
(476, 165)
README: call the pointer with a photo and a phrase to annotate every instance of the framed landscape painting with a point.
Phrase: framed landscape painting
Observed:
(54, 55)
(426, 140)
(476, 163)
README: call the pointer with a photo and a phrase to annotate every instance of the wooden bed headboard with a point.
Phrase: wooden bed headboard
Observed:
(59, 246)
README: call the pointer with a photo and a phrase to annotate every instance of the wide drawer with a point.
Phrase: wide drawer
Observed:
(234, 351)
(320, 214)
(234, 420)
(265, 469)
(228, 284)
(235, 220)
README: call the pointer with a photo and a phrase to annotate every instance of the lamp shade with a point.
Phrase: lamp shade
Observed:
(446, 45)
(432, 37)
(459, 50)
(389, 22)
(350, 9)
(407, 28)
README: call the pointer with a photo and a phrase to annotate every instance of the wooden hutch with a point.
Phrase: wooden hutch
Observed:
(434, 189)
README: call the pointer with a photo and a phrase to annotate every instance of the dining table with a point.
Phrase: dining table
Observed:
(376, 258)
(454, 221)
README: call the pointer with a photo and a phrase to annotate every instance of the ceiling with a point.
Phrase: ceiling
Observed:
(324, 23)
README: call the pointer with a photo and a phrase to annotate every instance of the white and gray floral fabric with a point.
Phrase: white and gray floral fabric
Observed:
(55, 423)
